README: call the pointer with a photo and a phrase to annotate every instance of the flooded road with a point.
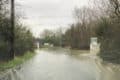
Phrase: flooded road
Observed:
(64, 64)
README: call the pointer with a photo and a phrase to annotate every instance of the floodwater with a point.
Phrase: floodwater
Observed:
(63, 64)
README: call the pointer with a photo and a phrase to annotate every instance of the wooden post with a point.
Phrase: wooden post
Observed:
(12, 29)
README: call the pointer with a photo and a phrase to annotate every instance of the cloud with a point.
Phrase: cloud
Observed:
(48, 13)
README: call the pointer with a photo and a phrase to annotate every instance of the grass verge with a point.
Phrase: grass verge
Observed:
(16, 61)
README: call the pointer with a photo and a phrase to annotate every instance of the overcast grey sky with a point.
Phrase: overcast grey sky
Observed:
(48, 14)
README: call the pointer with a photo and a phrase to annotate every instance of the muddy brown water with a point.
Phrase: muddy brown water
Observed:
(63, 64)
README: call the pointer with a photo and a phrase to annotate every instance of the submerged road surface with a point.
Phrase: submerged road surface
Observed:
(63, 64)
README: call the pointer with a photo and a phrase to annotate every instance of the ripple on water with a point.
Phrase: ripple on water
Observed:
(58, 65)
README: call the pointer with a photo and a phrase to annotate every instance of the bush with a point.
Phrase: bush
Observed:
(23, 40)
(108, 33)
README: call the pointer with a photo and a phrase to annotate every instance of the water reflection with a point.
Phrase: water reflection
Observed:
(64, 64)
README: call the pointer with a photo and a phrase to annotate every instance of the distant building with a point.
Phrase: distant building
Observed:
(46, 44)
(38, 42)
(94, 45)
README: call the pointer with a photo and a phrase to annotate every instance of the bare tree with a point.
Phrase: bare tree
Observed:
(84, 16)
(115, 4)
(106, 8)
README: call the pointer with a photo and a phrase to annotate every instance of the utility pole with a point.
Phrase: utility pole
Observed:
(12, 29)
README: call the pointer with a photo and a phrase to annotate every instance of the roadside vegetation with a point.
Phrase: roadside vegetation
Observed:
(23, 39)
(108, 31)
(17, 61)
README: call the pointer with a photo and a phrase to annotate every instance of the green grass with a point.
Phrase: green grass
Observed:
(16, 61)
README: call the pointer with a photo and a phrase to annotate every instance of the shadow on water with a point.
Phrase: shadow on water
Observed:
(63, 64)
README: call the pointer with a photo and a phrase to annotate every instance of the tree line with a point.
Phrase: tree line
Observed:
(23, 38)
(108, 32)
(100, 19)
